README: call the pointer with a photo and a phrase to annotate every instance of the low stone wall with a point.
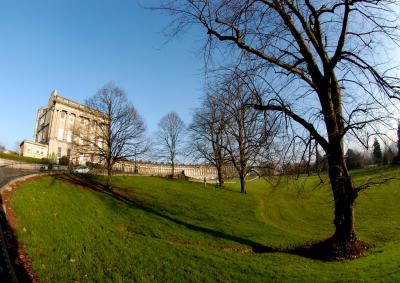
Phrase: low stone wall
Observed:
(29, 166)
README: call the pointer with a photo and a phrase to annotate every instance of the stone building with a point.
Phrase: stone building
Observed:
(59, 130)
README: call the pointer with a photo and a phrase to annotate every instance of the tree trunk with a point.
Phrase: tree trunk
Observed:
(109, 175)
(242, 177)
(220, 176)
(173, 169)
(344, 197)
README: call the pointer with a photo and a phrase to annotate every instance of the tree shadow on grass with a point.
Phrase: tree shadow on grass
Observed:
(319, 250)
(90, 183)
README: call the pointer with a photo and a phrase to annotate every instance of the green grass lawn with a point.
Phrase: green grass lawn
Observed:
(166, 230)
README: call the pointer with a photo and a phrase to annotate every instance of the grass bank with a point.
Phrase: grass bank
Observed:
(155, 229)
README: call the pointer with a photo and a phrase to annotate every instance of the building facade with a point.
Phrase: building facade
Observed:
(61, 129)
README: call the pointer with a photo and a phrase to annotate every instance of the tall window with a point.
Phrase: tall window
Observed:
(59, 152)
(69, 136)
(63, 113)
(60, 134)
(71, 118)
(69, 152)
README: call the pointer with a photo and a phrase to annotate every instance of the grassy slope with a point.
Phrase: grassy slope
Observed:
(15, 157)
(180, 231)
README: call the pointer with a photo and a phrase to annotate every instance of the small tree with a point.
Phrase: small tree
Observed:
(377, 152)
(170, 137)
(119, 131)
(64, 160)
(207, 135)
(248, 132)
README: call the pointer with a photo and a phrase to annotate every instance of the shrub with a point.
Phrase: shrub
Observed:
(64, 160)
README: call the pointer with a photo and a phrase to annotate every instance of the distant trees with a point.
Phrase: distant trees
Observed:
(354, 159)
(389, 157)
(2, 148)
(118, 133)
(170, 137)
(377, 152)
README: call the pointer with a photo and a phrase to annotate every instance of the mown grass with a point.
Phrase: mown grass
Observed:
(167, 230)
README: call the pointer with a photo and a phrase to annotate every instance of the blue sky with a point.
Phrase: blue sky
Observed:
(78, 46)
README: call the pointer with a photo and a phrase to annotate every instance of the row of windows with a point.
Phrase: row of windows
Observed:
(72, 117)
(60, 137)
(37, 151)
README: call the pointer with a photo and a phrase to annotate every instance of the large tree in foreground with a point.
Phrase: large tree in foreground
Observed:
(170, 136)
(320, 60)
(118, 134)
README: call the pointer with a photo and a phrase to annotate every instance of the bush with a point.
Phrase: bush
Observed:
(92, 165)
(64, 160)
(44, 160)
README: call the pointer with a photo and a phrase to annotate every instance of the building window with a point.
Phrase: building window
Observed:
(69, 152)
(63, 113)
(71, 118)
(93, 124)
(60, 134)
(69, 136)
(59, 152)
(82, 121)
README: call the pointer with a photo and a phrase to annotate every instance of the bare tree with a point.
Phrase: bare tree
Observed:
(117, 134)
(170, 138)
(208, 134)
(321, 60)
(248, 132)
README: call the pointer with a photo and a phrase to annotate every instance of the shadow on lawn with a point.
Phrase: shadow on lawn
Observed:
(88, 182)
